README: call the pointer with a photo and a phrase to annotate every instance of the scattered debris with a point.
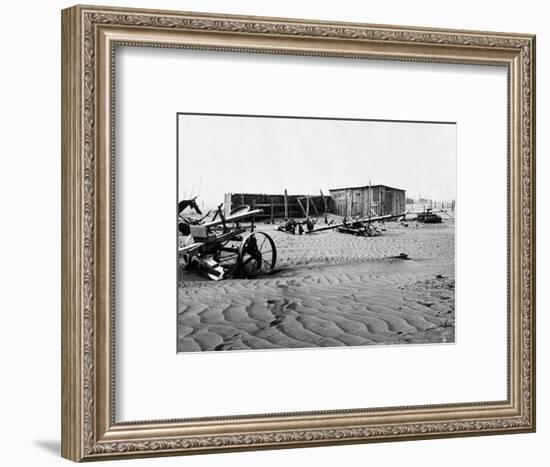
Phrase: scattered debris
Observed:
(295, 227)
(428, 217)
(401, 256)
(367, 226)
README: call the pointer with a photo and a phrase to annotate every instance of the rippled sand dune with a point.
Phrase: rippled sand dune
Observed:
(330, 289)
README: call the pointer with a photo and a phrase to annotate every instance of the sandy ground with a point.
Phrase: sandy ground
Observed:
(330, 289)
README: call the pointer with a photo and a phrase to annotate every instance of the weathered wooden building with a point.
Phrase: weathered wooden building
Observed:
(280, 206)
(369, 200)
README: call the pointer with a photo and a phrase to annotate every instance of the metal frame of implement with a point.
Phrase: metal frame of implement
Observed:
(249, 256)
(346, 224)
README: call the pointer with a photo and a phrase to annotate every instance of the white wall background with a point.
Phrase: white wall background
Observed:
(30, 231)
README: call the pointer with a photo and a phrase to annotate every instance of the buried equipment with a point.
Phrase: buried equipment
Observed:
(360, 227)
(428, 217)
(223, 247)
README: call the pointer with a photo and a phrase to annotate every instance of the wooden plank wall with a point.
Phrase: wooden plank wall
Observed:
(275, 203)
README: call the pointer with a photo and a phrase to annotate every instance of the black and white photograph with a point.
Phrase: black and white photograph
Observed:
(305, 232)
(275, 233)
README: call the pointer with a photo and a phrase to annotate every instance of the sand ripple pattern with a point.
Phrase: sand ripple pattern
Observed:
(330, 290)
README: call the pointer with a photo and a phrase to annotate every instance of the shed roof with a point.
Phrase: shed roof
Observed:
(365, 186)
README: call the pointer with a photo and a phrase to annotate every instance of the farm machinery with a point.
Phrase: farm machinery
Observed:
(224, 247)
(365, 227)
(428, 217)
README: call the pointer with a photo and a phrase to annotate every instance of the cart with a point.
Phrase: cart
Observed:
(225, 248)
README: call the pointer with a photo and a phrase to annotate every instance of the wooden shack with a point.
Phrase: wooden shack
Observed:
(368, 200)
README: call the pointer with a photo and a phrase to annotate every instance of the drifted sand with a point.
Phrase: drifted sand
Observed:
(330, 289)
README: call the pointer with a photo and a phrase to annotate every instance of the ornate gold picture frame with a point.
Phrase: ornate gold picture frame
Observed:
(89, 36)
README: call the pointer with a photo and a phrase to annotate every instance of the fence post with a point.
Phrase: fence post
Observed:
(227, 204)
(325, 205)
(252, 222)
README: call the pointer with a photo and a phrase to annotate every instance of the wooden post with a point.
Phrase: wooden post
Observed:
(272, 213)
(301, 206)
(314, 207)
(307, 206)
(286, 205)
(227, 204)
(346, 211)
(253, 217)
(325, 205)
(370, 198)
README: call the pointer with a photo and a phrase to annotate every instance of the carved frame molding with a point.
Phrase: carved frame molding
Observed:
(90, 35)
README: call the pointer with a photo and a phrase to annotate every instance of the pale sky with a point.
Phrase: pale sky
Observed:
(221, 154)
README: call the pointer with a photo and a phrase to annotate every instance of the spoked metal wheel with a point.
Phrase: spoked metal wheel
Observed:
(257, 255)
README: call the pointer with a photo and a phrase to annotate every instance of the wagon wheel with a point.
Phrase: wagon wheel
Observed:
(257, 255)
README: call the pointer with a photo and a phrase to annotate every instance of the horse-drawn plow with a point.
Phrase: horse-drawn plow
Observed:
(224, 247)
